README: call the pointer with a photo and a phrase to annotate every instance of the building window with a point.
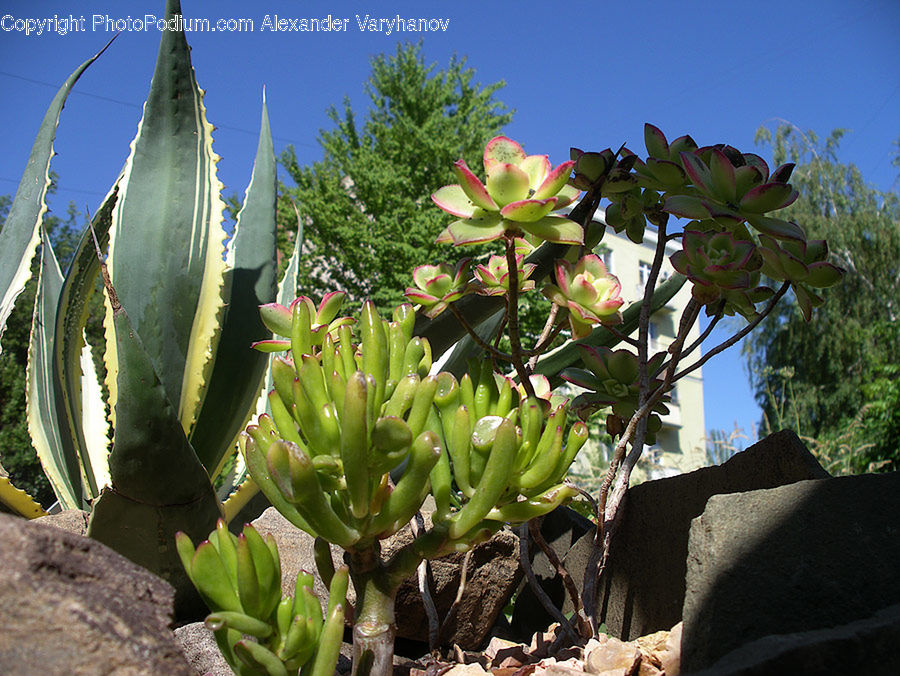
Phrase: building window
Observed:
(606, 255)
(643, 274)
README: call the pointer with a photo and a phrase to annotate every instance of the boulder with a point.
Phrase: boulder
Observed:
(71, 606)
(643, 588)
(806, 557)
(490, 581)
(863, 647)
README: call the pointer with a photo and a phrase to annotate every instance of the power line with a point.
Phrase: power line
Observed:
(129, 104)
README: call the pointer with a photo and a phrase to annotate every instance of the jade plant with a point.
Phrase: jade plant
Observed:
(181, 312)
(360, 435)
(259, 631)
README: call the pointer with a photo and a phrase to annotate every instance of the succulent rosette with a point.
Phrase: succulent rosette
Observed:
(518, 195)
(612, 378)
(439, 285)
(588, 292)
(804, 264)
(321, 321)
(722, 267)
(494, 276)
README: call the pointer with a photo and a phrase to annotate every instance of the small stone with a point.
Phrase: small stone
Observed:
(613, 658)
(466, 670)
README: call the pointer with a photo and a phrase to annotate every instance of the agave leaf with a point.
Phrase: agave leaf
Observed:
(16, 501)
(19, 236)
(239, 371)
(150, 442)
(55, 450)
(165, 253)
(553, 362)
(80, 409)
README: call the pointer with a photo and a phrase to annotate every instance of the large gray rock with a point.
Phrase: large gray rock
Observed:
(810, 556)
(643, 590)
(866, 646)
(71, 606)
(491, 580)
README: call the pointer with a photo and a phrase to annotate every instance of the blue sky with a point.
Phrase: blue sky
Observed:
(587, 74)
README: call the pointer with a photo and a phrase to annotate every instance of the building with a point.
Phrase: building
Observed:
(680, 445)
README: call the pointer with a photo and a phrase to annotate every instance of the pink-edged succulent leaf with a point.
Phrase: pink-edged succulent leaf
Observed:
(556, 229)
(424, 273)
(473, 187)
(538, 168)
(330, 306)
(782, 173)
(271, 345)
(502, 150)
(507, 183)
(746, 178)
(683, 144)
(656, 143)
(768, 197)
(822, 275)
(566, 195)
(418, 296)
(698, 172)
(722, 172)
(754, 160)
(623, 366)
(807, 300)
(669, 174)
(555, 295)
(554, 181)
(777, 228)
(686, 206)
(277, 318)
(453, 200)
(722, 214)
(483, 227)
(528, 211)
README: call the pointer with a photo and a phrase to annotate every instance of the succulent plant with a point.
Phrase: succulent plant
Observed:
(612, 380)
(348, 417)
(804, 264)
(722, 268)
(588, 292)
(494, 276)
(519, 194)
(258, 631)
(439, 285)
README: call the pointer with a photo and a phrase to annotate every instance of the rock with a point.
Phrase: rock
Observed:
(609, 656)
(491, 579)
(866, 646)
(69, 520)
(199, 647)
(643, 590)
(71, 606)
(799, 558)
(492, 576)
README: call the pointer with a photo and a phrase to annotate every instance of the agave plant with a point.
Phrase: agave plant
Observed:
(181, 315)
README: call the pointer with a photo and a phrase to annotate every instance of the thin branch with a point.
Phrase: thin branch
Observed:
(454, 607)
(621, 336)
(534, 528)
(487, 347)
(739, 335)
(512, 314)
(545, 600)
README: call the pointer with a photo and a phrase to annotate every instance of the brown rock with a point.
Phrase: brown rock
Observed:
(70, 520)
(71, 606)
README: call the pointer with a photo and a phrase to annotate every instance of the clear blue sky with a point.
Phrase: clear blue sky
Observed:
(587, 74)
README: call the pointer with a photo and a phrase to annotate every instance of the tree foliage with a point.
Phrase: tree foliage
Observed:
(833, 374)
(365, 207)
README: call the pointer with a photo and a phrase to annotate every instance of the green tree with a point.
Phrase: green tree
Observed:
(365, 207)
(839, 363)
(17, 456)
